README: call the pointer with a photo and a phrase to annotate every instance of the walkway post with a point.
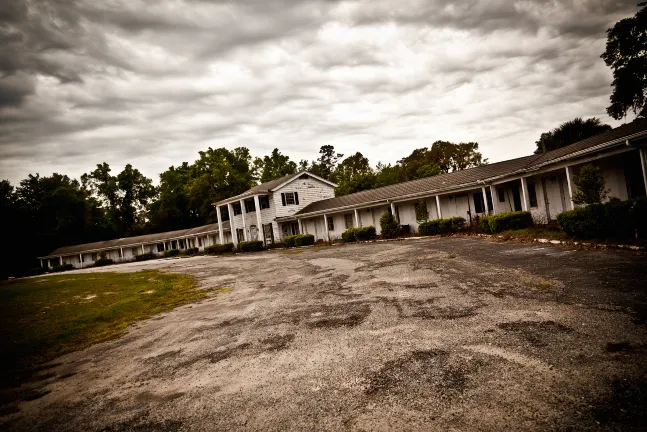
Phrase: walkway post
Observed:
(357, 222)
(524, 193)
(242, 212)
(494, 200)
(232, 226)
(326, 227)
(220, 233)
(643, 164)
(569, 182)
(259, 220)
(485, 206)
(440, 214)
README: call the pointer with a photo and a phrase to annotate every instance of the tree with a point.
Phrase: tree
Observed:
(422, 212)
(590, 186)
(353, 174)
(325, 165)
(172, 209)
(570, 132)
(274, 166)
(626, 54)
(389, 226)
(441, 157)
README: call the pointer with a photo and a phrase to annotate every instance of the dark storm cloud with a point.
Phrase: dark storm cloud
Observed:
(153, 82)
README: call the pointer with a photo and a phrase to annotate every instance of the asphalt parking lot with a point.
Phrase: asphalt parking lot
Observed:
(434, 334)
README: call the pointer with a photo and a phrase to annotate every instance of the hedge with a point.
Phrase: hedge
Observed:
(250, 246)
(441, 226)
(103, 262)
(62, 267)
(219, 249)
(304, 240)
(359, 234)
(191, 251)
(614, 219)
(171, 252)
(505, 221)
(390, 228)
(289, 241)
(145, 256)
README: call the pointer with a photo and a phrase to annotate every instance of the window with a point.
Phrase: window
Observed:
(331, 224)
(479, 206)
(237, 209)
(160, 247)
(199, 241)
(488, 196)
(135, 251)
(250, 206)
(532, 194)
(290, 198)
(94, 257)
(501, 193)
(264, 201)
(348, 218)
(173, 244)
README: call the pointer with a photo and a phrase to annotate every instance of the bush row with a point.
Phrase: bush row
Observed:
(219, 249)
(171, 252)
(299, 240)
(358, 234)
(62, 267)
(250, 246)
(614, 219)
(505, 221)
(191, 251)
(103, 262)
(441, 226)
(145, 256)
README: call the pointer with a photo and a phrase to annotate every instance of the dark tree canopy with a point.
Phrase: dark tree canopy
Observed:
(274, 166)
(626, 54)
(570, 132)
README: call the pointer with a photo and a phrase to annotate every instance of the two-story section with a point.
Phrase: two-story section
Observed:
(253, 214)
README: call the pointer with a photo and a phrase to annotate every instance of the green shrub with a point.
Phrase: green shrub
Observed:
(171, 252)
(145, 256)
(304, 240)
(62, 267)
(103, 262)
(614, 219)
(37, 271)
(441, 226)
(484, 224)
(219, 249)
(508, 221)
(389, 226)
(192, 251)
(365, 233)
(289, 241)
(349, 236)
(251, 246)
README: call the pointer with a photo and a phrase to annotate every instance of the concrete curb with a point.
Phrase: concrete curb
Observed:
(571, 243)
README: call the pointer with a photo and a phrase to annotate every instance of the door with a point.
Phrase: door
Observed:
(516, 199)
(269, 234)
(253, 233)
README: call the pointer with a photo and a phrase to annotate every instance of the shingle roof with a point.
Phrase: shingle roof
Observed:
(471, 176)
(137, 240)
(261, 188)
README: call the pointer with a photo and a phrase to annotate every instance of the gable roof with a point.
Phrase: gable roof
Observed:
(136, 240)
(272, 185)
(478, 175)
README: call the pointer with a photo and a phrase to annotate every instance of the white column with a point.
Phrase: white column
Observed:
(165, 246)
(232, 226)
(495, 199)
(643, 163)
(487, 210)
(259, 220)
(300, 226)
(440, 214)
(524, 194)
(143, 249)
(81, 259)
(395, 216)
(121, 253)
(569, 182)
(60, 260)
(357, 222)
(326, 227)
(220, 233)
(41, 263)
(242, 212)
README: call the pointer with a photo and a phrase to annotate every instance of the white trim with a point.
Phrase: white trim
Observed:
(298, 176)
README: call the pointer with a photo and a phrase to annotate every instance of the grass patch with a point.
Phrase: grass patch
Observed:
(533, 233)
(43, 318)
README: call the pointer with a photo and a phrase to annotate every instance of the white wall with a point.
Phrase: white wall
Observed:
(309, 190)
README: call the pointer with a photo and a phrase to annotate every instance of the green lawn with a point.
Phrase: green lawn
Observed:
(45, 317)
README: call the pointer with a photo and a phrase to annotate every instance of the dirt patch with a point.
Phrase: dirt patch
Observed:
(614, 347)
(277, 342)
(428, 309)
(624, 407)
(350, 315)
(537, 333)
(425, 379)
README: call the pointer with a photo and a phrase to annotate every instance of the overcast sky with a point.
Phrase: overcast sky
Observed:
(152, 82)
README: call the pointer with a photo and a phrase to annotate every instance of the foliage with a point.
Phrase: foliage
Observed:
(289, 241)
(36, 271)
(192, 251)
(359, 234)
(590, 185)
(250, 246)
(145, 256)
(506, 221)
(74, 321)
(441, 226)
(171, 253)
(304, 240)
(389, 226)
(102, 262)
(626, 54)
(614, 219)
(219, 249)
(62, 267)
(102, 255)
(570, 132)
(422, 211)
(325, 165)
(274, 166)
(442, 157)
